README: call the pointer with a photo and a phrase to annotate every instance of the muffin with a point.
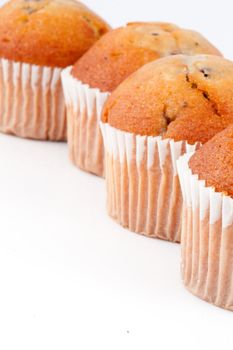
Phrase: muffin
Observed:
(207, 229)
(167, 108)
(111, 60)
(37, 40)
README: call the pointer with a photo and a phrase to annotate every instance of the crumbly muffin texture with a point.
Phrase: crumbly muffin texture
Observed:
(214, 162)
(180, 97)
(48, 32)
(122, 51)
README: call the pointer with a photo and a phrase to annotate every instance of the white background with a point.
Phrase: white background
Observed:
(72, 279)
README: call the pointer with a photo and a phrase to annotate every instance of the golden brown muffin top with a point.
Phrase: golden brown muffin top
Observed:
(122, 51)
(214, 162)
(48, 32)
(180, 97)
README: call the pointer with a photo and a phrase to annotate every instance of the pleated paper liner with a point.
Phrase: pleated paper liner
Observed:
(143, 190)
(207, 239)
(84, 107)
(31, 101)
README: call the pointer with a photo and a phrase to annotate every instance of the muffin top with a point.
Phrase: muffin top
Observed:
(122, 51)
(48, 32)
(214, 162)
(180, 97)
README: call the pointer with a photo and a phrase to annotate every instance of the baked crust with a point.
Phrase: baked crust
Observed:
(122, 51)
(214, 162)
(51, 33)
(180, 97)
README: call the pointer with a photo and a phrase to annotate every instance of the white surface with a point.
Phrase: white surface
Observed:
(70, 278)
(73, 279)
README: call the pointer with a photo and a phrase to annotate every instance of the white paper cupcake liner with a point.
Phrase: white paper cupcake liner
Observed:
(207, 239)
(143, 191)
(84, 106)
(31, 101)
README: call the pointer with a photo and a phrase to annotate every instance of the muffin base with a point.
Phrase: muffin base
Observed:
(84, 105)
(206, 240)
(143, 190)
(31, 101)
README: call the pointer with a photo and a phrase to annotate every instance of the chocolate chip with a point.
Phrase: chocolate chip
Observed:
(193, 85)
(213, 105)
(187, 77)
(206, 95)
(155, 34)
(196, 43)
(205, 72)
